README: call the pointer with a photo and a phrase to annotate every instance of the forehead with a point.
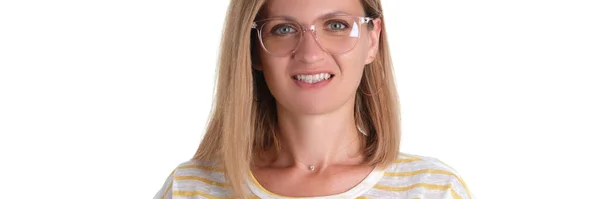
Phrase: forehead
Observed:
(308, 10)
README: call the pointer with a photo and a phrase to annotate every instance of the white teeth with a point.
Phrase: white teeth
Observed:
(313, 78)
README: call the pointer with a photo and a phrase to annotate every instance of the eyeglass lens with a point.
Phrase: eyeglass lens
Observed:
(337, 34)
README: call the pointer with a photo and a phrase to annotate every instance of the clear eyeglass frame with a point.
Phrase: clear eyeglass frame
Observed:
(312, 28)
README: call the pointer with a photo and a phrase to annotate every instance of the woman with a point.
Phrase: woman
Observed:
(306, 107)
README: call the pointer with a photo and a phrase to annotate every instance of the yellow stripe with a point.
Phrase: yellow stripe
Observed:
(409, 156)
(255, 181)
(167, 190)
(417, 172)
(208, 168)
(412, 158)
(195, 193)
(207, 181)
(454, 194)
(168, 187)
(462, 183)
(428, 186)
(429, 171)
(406, 160)
(424, 185)
(206, 195)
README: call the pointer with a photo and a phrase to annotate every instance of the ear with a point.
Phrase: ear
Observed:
(373, 35)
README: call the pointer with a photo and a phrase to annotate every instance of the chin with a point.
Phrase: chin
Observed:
(314, 106)
(314, 110)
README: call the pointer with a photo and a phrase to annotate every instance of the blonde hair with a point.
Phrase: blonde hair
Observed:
(243, 116)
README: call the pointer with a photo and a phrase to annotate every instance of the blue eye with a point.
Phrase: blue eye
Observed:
(283, 29)
(336, 25)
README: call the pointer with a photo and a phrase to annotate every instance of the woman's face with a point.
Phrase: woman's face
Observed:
(311, 80)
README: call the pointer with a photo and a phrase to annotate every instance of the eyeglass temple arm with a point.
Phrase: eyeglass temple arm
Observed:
(365, 19)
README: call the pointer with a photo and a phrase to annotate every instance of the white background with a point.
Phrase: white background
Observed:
(102, 99)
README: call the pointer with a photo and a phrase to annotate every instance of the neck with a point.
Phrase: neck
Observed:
(319, 140)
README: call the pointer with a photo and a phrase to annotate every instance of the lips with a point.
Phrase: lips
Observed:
(313, 78)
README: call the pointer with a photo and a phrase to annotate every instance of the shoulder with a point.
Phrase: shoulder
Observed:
(423, 176)
(195, 178)
(198, 168)
(412, 162)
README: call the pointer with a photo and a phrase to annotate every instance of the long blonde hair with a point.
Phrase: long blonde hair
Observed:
(243, 116)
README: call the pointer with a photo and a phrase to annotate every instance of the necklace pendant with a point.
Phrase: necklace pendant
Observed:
(311, 168)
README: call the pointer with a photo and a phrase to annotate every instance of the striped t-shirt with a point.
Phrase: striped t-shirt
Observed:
(409, 177)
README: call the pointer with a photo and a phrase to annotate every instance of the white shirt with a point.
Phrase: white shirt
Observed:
(409, 177)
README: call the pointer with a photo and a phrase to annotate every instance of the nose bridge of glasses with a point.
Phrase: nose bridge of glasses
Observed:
(313, 31)
(307, 45)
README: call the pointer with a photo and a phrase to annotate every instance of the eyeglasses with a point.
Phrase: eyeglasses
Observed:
(336, 35)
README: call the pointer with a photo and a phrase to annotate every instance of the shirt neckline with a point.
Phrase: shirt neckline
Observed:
(366, 184)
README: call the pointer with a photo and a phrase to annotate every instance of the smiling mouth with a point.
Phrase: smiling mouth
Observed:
(314, 78)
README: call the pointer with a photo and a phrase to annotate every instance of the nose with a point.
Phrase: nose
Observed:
(309, 51)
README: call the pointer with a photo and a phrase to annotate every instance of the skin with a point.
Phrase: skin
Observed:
(316, 125)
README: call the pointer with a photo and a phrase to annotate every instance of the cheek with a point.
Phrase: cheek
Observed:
(362, 48)
(354, 61)
(274, 72)
(269, 64)
(357, 57)
(352, 66)
(273, 75)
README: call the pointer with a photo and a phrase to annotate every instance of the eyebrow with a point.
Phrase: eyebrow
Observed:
(323, 16)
